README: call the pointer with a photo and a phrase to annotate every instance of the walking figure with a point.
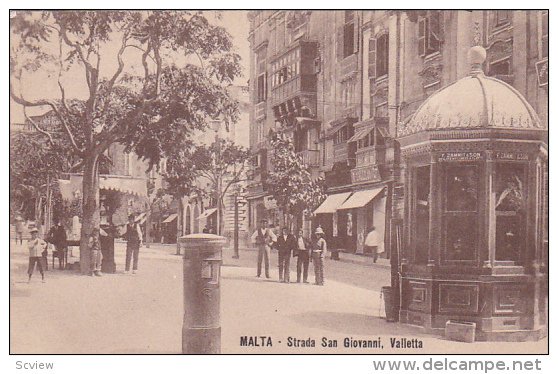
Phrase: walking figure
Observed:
(286, 243)
(95, 248)
(371, 243)
(263, 238)
(19, 229)
(318, 253)
(303, 257)
(133, 243)
(36, 246)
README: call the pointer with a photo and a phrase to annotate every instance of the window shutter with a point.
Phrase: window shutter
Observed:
(433, 31)
(339, 44)
(265, 86)
(356, 30)
(422, 29)
(372, 58)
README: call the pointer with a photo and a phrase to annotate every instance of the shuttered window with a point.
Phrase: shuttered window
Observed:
(544, 33)
(372, 58)
(430, 33)
(422, 26)
(382, 55)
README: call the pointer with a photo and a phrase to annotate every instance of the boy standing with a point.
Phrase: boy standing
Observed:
(36, 246)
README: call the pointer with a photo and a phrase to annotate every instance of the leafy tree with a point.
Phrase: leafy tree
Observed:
(222, 164)
(149, 103)
(35, 161)
(290, 181)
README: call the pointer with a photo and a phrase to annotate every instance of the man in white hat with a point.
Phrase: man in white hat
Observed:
(319, 251)
(36, 246)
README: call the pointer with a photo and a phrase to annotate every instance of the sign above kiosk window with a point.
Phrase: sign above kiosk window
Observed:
(460, 156)
(511, 156)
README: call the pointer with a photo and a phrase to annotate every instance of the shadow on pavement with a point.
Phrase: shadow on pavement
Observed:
(352, 323)
(250, 278)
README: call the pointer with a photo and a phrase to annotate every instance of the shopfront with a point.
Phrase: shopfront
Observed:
(475, 160)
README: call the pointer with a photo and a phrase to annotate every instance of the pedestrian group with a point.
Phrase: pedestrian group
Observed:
(287, 245)
(38, 248)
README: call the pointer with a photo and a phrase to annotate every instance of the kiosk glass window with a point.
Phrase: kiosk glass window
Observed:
(461, 193)
(510, 207)
(422, 214)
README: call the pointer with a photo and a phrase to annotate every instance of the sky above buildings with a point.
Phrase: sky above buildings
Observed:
(42, 84)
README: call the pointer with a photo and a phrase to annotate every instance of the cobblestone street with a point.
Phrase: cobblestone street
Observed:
(142, 313)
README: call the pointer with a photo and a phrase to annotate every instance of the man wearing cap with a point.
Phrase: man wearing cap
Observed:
(319, 251)
(263, 238)
(133, 238)
(36, 246)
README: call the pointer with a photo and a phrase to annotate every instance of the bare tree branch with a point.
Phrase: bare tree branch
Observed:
(25, 103)
(115, 76)
(60, 86)
(36, 126)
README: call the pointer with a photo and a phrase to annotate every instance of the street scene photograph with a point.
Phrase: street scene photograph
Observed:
(278, 182)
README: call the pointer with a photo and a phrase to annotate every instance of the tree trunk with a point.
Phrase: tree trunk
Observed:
(90, 217)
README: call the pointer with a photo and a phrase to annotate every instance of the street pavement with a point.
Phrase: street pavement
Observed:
(142, 313)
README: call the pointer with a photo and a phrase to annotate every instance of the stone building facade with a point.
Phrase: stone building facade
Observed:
(344, 81)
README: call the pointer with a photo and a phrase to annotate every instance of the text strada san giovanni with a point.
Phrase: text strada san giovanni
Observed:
(325, 342)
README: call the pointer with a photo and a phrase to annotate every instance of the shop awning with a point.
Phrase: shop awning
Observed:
(361, 198)
(170, 218)
(361, 133)
(206, 213)
(332, 203)
(71, 188)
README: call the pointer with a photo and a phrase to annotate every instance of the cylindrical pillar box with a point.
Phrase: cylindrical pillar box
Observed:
(201, 330)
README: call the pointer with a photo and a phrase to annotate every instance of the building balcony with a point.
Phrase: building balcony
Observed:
(310, 157)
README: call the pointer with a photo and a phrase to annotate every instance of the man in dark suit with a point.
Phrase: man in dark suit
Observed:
(285, 244)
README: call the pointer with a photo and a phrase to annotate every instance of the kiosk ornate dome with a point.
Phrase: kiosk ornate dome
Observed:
(475, 101)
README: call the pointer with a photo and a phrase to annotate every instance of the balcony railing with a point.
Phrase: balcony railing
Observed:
(310, 157)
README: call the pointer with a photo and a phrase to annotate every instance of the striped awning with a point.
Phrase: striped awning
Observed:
(170, 218)
(332, 203)
(206, 213)
(72, 188)
(361, 198)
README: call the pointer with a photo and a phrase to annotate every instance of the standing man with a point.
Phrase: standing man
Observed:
(286, 243)
(303, 256)
(95, 247)
(371, 243)
(263, 238)
(133, 243)
(318, 253)
(57, 237)
(19, 229)
(36, 246)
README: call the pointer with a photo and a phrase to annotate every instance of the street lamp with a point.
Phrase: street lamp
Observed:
(236, 221)
(216, 125)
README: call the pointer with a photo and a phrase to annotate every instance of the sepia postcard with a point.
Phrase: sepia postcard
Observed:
(279, 182)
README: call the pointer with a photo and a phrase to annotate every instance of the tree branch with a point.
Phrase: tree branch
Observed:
(119, 70)
(60, 86)
(20, 100)
(36, 126)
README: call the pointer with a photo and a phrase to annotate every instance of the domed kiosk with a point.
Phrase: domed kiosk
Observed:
(475, 163)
